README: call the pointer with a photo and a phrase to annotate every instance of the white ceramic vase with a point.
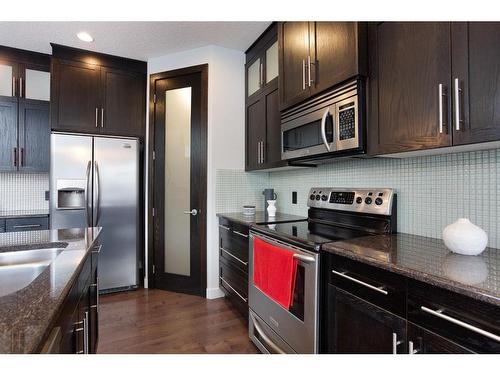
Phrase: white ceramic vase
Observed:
(271, 208)
(463, 237)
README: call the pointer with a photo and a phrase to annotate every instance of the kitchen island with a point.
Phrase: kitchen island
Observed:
(48, 291)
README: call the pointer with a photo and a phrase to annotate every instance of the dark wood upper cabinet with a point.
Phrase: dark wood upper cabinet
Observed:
(432, 85)
(263, 122)
(256, 133)
(294, 53)
(339, 53)
(34, 136)
(476, 69)
(315, 56)
(8, 134)
(96, 93)
(24, 110)
(123, 102)
(75, 96)
(408, 63)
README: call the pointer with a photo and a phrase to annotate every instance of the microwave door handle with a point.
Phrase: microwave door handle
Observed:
(323, 129)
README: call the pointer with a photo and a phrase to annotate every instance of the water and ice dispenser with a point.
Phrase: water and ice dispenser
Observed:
(71, 194)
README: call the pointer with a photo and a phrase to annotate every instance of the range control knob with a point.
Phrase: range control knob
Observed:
(368, 200)
(359, 200)
(379, 201)
(311, 197)
(318, 197)
(324, 197)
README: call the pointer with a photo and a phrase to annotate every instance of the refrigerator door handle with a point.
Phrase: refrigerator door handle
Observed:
(87, 194)
(97, 191)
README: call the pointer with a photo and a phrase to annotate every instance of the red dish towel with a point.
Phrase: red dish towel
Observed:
(274, 271)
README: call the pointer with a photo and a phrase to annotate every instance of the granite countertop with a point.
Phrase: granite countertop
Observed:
(27, 314)
(261, 217)
(428, 260)
(5, 214)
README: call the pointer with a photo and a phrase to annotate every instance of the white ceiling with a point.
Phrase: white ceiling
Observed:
(138, 40)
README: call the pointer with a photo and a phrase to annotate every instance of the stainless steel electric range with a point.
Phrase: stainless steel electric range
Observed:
(334, 214)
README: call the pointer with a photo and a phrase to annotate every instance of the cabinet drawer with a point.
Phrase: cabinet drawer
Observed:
(234, 283)
(238, 258)
(233, 238)
(2, 225)
(382, 288)
(466, 321)
(26, 223)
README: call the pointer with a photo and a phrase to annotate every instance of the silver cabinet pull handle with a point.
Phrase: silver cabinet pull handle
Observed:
(267, 340)
(27, 226)
(323, 129)
(193, 212)
(262, 152)
(96, 116)
(224, 227)
(97, 249)
(377, 289)
(440, 95)
(261, 75)
(439, 314)
(20, 87)
(241, 234)
(86, 333)
(258, 152)
(458, 90)
(395, 343)
(234, 290)
(410, 348)
(234, 257)
(309, 80)
(102, 117)
(303, 74)
(13, 86)
(304, 258)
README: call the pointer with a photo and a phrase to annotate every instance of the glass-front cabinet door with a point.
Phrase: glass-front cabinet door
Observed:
(36, 84)
(254, 77)
(8, 81)
(272, 62)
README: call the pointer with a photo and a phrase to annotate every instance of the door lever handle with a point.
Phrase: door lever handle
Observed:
(193, 212)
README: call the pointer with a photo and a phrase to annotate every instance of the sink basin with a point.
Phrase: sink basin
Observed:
(19, 268)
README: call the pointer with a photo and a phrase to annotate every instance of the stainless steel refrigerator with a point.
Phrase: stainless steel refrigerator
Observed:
(94, 181)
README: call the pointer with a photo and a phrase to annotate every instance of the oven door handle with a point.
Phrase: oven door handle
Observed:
(276, 349)
(304, 258)
(323, 128)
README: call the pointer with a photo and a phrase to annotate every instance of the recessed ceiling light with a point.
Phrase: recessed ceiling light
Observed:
(86, 37)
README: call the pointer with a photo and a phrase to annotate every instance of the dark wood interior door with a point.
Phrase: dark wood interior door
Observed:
(123, 95)
(408, 62)
(294, 50)
(336, 59)
(76, 99)
(34, 136)
(180, 139)
(256, 132)
(8, 133)
(476, 54)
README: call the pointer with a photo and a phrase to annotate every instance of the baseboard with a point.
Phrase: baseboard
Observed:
(214, 293)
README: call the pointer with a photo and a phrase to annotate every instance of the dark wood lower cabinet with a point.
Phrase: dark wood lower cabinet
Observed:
(357, 326)
(76, 329)
(422, 341)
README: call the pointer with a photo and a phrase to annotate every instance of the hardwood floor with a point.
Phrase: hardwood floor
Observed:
(156, 321)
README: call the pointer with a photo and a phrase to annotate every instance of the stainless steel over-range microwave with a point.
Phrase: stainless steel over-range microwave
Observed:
(329, 125)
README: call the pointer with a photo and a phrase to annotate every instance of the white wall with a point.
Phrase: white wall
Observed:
(226, 128)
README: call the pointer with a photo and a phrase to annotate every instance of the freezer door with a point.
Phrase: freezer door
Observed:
(70, 181)
(116, 210)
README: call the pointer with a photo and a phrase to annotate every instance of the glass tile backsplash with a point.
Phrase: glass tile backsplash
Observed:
(23, 191)
(433, 191)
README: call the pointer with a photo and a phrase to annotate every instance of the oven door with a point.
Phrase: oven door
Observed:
(309, 134)
(277, 330)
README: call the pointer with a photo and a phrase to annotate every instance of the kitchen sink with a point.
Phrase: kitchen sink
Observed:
(19, 268)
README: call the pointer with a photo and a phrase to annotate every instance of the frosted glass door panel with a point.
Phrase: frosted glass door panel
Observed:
(6, 75)
(37, 85)
(254, 77)
(177, 180)
(272, 62)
